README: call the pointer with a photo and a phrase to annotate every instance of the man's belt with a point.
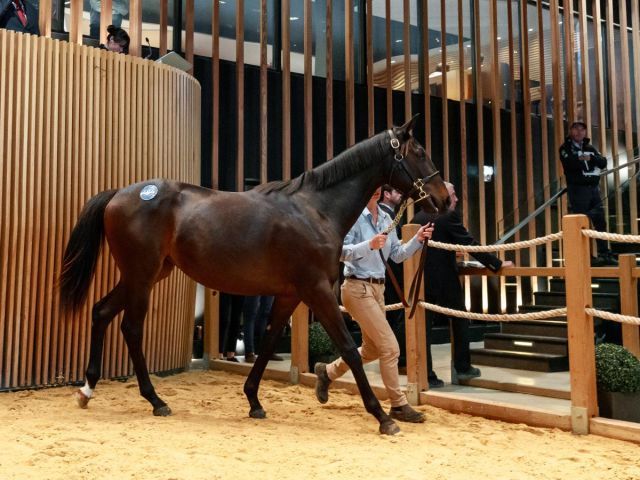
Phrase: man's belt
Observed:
(379, 281)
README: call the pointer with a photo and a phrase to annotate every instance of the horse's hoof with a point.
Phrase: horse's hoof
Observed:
(258, 413)
(389, 428)
(81, 399)
(163, 411)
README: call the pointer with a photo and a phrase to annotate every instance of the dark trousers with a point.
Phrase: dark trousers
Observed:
(255, 317)
(460, 341)
(230, 315)
(586, 199)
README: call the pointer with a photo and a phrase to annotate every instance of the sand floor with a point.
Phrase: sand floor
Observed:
(43, 435)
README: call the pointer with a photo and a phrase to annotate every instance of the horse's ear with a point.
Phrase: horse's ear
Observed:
(406, 131)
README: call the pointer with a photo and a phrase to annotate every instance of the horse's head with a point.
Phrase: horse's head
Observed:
(413, 173)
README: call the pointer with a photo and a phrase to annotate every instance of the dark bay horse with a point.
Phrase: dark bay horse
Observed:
(282, 239)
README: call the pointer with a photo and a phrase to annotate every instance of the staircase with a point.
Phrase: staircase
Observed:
(541, 345)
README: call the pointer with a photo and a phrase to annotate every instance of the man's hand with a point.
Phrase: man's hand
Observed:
(425, 232)
(506, 264)
(377, 242)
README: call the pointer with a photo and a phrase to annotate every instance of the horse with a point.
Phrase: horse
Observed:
(282, 238)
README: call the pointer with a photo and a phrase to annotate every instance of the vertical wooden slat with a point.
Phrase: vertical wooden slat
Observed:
(406, 47)
(528, 138)
(569, 60)
(479, 121)
(135, 27)
(44, 18)
(426, 71)
(240, 95)
(300, 340)
(329, 82)
(349, 72)
(308, 86)
(75, 32)
(286, 91)
(558, 130)
(632, 213)
(584, 64)
(369, 49)
(264, 132)
(388, 63)
(164, 20)
(215, 94)
(599, 72)
(513, 129)
(189, 28)
(635, 22)
(544, 134)
(613, 112)
(445, 93)
(106, 17)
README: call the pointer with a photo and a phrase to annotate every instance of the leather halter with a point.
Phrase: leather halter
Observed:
(418, 184)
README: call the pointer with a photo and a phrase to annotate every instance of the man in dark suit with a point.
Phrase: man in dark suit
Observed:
(19, 15)
(442, 286)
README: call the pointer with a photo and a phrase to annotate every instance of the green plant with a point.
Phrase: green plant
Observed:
(617, 369)
(319, 341)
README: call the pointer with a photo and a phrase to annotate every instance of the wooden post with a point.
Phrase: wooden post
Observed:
(629, 303)
(211, 325)
(415, 329)
(299, 342)
(582, 363)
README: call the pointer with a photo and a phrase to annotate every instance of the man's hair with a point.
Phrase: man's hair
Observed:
(119, 36)
(385, 188)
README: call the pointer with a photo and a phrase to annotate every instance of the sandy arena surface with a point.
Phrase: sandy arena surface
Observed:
(44, 435)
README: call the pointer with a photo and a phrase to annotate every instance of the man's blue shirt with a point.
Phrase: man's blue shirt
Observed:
(358, 257)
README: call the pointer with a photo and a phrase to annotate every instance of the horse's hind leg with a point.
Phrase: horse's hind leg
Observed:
(323, 303)
(135, 312)
(282, 309)
(102, 314)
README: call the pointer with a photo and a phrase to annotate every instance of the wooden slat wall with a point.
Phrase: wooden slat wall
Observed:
(264, 132)
(78, 123)
(387, 23)
(370, 97)
(286, 92)
(329, 81)
(135, 26)
(308, 79)
(106, 18)
(240, 95)
(349, 73)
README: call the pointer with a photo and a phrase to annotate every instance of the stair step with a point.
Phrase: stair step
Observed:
(598, 285)
(543, 328)
(557, 299)
(538, 362)
(541, 308)
(526, 343)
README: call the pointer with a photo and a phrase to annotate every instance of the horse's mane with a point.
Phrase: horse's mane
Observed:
(347, 163)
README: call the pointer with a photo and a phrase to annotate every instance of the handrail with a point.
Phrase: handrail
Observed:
(619, 167)
(531, 216)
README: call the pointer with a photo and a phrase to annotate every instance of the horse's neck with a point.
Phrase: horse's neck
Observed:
(344, 201)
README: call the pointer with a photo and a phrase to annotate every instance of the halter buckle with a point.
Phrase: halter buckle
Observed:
(395, 143)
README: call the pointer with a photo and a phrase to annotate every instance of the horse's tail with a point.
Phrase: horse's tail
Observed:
(81, 254)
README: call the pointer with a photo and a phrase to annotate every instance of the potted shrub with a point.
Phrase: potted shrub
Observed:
(618, 379)
(320, 345)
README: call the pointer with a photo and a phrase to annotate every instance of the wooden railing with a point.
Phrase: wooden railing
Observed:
(75, 121)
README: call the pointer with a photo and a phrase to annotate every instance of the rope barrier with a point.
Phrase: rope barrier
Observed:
(616, 237)
(495, 248)
(616, 317)
(512, 317)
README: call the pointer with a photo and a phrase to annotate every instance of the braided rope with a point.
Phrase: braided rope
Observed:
(387, 308)
(495, 317)
(495, 248)
(616, 237)
(397, 219)
(616, 317)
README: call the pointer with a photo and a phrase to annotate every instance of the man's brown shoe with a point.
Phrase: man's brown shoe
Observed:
(407, 414)
(322, 382)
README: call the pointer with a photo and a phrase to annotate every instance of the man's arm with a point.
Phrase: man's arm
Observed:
(570, 161)
(459, 235)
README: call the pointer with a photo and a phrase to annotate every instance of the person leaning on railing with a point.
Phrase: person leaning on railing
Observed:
(582, 164)
(117, 40)
(20, 16)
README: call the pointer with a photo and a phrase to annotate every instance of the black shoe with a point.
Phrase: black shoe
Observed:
(435, 382)
(471, 372)
(231, 359)
(598, 261)
(322, 382)
(407, 414)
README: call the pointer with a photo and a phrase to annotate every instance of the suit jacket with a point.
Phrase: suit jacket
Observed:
(9, 18)
(441, 282)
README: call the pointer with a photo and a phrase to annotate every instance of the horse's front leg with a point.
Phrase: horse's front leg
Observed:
(324, 304)
(282, 309)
